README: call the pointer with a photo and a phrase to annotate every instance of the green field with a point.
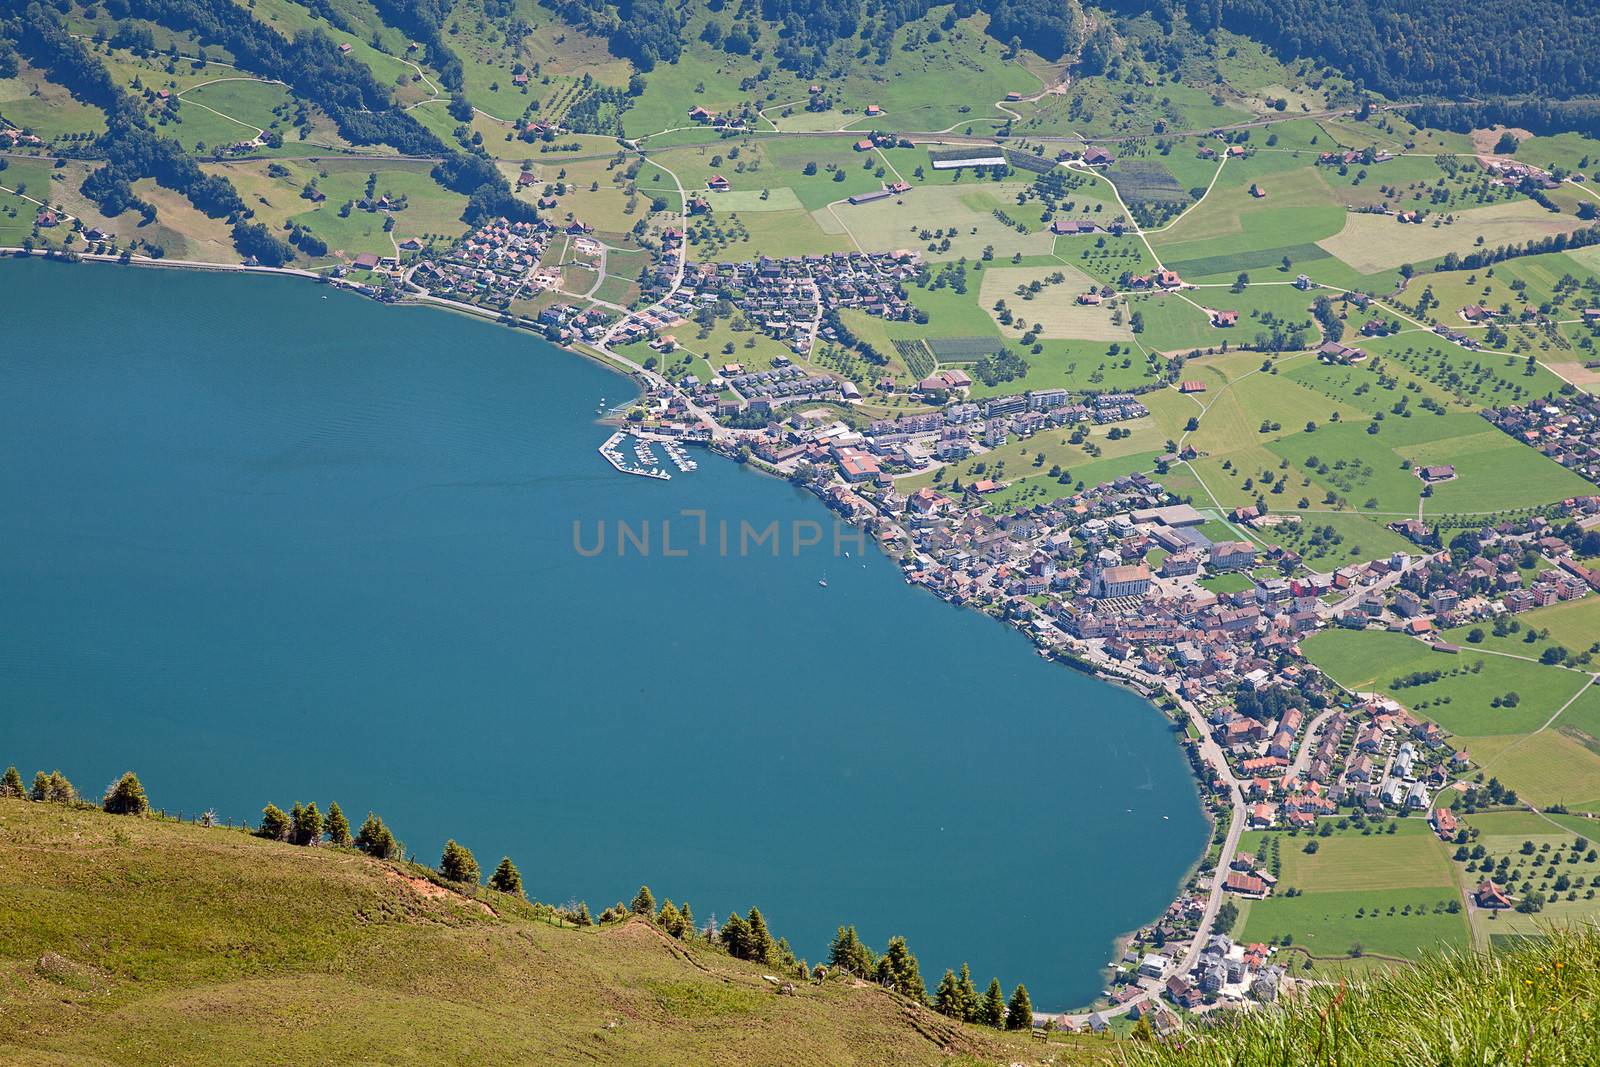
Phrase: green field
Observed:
(1388, 892)
(1462, 700)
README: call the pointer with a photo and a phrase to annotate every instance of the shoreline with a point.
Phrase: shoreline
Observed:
(1071, 659)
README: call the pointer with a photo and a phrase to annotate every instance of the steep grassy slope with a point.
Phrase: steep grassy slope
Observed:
(126, 940)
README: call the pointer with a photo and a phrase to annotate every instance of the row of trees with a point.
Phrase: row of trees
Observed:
(125, 796)
(744, 937)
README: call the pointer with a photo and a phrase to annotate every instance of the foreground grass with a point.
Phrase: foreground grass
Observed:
(1537, 1005)
(133, 941)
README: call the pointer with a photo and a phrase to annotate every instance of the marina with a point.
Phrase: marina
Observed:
(647, 466)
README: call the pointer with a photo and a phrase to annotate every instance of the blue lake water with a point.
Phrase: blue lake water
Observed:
(265, 541)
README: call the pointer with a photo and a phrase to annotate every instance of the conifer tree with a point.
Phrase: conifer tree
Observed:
(458, 863)
(644, 903)
(848, 954)
(669, 919)
(307, 825)
(735, 937)
(506, 878)
(375, 839)
(761, 947)
(338, 826)
(687, 931)
(968, 994)
(274, 823)
(992, 1012)
(898, 969)
(1019, 1012)
(53, 787)
(11, 785)
(61, 790)
(583, 914)
(126, 797)
(947, 998)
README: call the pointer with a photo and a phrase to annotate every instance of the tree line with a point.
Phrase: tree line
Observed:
(744, 937)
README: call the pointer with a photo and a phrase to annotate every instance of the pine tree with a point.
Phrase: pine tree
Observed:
(898, 969)
(848, 954)
(761, 947)
(338, 826)
(53, 787)
(644, 903)
(126, 797)
(11, 785)
(688, 931)
(307, 825)
(1019, 1012)
(735, 937)
(458, 864)
(969, 995)
(506, 878)
(992, 1012)
(670, 919)
(274, 823)
(375, 839)
(947, 999)
(61, 790)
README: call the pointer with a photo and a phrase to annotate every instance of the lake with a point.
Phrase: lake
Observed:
(264, 541)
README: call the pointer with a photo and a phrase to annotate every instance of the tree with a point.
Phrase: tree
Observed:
(968, 993)
(761, 948)
(274, 824)
(1019, 1012)
(11, 785)
(644, 903)
(848, 954)
(53, 787)
(506, 878)
(899, 971)
(458, 863)
(338, 826)
(992, 1012)
(375, 839)
(126, 797)
(947, 998)
(735, 937)
(308, 825)
(670, 919)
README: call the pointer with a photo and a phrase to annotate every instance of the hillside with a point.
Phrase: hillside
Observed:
(134, 940)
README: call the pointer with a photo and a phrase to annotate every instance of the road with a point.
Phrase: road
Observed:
(1302, 758)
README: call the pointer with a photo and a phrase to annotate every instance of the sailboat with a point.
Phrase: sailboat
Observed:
(823, 582)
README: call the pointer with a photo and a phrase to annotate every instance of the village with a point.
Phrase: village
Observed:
(1277, 744)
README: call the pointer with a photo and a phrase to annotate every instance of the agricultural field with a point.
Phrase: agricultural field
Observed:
(32, 102)
(1539, 852)
(1374, 243)
(1362, 891)
(1466, 694)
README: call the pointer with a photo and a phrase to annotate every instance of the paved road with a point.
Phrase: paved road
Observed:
(1302, 758)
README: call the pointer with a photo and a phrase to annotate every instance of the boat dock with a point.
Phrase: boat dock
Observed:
(645, 467)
